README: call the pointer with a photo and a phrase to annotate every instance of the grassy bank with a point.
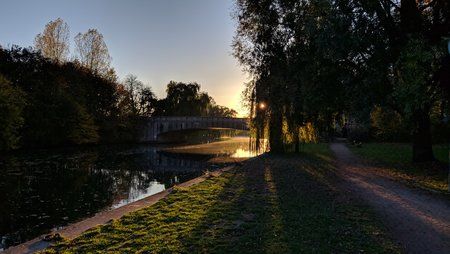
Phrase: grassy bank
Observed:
(274, 204)
(395, 158)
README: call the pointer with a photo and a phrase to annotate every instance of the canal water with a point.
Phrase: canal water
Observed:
(48, 189)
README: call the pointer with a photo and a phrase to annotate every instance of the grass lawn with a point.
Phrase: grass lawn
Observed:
(396, 157)
(273, 204)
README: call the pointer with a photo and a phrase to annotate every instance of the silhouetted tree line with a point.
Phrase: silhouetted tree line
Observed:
(52, 104)
(47, 100)
(321, 62)
(186, 100)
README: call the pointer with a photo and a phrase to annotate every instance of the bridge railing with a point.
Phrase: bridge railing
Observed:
(162, 124)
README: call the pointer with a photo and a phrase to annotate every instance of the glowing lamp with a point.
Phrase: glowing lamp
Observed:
(262, 105)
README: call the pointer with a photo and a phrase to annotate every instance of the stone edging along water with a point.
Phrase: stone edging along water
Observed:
(73, 230)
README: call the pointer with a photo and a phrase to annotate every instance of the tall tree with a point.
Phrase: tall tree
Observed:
(414, 32)
(147, 101)
(186, 99)
(92, 51)
(313, 61)
(134, 88)
(53, 42)
(260, 46)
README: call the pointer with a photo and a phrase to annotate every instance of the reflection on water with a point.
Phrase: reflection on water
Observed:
(46, 189)
(244, 153)
(135, 193)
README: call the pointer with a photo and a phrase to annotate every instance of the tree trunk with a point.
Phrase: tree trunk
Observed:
(297, 139)
(275, 132)
(422, 143)
(410, 17)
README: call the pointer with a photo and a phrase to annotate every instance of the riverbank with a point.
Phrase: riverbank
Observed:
(276, 204)
(76, 229)
(48, 189)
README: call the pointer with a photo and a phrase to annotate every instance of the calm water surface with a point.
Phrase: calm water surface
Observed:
(49, 189)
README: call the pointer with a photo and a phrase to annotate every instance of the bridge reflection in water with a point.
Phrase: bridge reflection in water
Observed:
(51, 188)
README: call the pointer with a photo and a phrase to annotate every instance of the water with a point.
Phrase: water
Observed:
(49, 189)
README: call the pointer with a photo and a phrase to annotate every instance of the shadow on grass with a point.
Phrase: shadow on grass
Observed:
(395, 159)
(272, 204)
(286, 204)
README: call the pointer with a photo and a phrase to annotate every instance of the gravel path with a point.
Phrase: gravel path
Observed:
(418, 220)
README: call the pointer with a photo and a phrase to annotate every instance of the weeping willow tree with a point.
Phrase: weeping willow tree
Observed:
(314, 61)
(285, 47)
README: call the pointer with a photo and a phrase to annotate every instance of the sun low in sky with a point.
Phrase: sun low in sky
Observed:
(158, 40)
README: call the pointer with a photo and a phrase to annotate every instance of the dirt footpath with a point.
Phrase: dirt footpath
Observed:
(418, 220)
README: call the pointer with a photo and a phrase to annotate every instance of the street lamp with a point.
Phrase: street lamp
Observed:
(262, 106)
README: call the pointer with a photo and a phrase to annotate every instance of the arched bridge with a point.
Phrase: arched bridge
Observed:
(157, 125)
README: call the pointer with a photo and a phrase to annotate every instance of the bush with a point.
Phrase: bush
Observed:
(388, 125)
(12, 103)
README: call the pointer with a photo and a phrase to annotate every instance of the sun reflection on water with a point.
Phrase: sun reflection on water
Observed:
(244, 153)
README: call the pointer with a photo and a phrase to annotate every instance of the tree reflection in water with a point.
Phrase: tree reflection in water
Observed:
(51, 189)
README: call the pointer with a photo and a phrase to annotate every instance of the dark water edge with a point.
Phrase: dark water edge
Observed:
(50, 188)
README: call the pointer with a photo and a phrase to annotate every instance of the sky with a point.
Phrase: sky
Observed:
(157, 40)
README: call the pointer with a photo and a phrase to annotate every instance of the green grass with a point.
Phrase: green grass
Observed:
(441, 152)
(274, 204)
(396, 159)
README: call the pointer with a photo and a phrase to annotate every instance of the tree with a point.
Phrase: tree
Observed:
(54, 41)
(83, 128)
(66, 103)
(415, 91)
(12, 103)
(259, 46)
(185, 99)
(221, 111)
(92, 51)
(317, 61)
(412, 25)
(134, 88)
(140, 99)
(147, 102)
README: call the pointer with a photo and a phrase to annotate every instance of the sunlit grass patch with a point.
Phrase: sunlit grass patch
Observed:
(273, 204)
(396, 158)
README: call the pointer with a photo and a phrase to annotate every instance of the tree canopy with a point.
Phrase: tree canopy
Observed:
(92, 51)
(185, 99)
(47, 100)
(54, 41)
(325, 62)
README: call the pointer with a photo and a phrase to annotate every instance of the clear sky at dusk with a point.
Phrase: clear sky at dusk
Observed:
(157, 40)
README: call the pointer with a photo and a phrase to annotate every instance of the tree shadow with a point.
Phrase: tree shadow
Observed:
(282, 204)
(243, 219)
(271, 204)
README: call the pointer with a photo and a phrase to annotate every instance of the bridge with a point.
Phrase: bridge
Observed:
(154, 126)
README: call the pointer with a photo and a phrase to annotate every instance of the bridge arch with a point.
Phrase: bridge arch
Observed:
(154, 126)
